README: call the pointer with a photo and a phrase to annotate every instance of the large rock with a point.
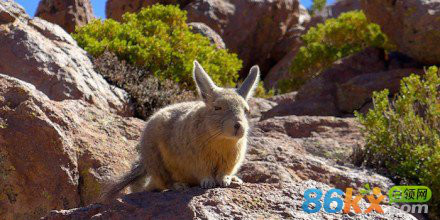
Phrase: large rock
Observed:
(114, 9)
(284, 159)
(413, 25)
(356, 92)
(342, 88)
(259, 105)
(304, 16)
(44, 55)
(56, 155)
(333, 11)
(205, 30)
(255, 30)
(67, 14)
(339, 7)
(280, 71)
(251, 201)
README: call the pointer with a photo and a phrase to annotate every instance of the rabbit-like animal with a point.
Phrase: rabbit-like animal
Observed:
(194, 143)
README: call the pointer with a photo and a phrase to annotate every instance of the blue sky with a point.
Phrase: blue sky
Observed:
(99, 6)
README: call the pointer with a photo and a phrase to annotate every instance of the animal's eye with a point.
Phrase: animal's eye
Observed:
(247, 112)
(217, 108)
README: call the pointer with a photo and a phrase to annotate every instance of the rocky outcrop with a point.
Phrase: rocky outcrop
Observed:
(338, 7)
(304, 16)
(280, 70)
(356, 92)
(251, 201)
(44, 55)
(343, 88)
(114, 9)
(67, 14)
(333, 11)
(203, 29)
(284, 159)
(413, 25)
(57, 154)
(255, 30)
(258, 106)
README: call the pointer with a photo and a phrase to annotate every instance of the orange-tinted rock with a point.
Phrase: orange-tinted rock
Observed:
(332, 93)
(255, 30)
(206, 31)
(57, 154)
(44, 55)
(413, 25)
(284, 159)
(66, 13)
(114, 9)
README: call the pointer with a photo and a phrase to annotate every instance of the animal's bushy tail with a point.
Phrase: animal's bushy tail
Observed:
(112, 190)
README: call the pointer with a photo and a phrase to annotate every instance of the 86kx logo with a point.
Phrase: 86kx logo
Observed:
(397, 194)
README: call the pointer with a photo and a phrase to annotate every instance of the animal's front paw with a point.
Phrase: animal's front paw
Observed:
(236, 180)
(180, 186)
(224, 181)
(207, 183)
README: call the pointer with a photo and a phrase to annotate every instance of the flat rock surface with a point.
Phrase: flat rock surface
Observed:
(279, 167)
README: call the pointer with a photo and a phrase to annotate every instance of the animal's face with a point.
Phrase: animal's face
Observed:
(228, 109)
(229, 112)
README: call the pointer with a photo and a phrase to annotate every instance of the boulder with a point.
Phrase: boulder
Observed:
(293, 42)
(333, 11)
(337, 90)
(356, 92)
(259, 105)
(67, 14)
(251, 201)
(284, 98)
(57, 154)
(203, 29)
(304, 16)
(281, 70)
(10, 12)
(114, 9)
(281, 164)
(44, 55)
(255, 30)
(339, 7)
(413, 25)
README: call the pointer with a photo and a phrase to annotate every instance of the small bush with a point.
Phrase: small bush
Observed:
(147, 92)
(158, 40)
(403, 136)
(261, 92)
(331, 41)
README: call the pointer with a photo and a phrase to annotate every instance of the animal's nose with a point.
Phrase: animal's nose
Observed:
(237, 126)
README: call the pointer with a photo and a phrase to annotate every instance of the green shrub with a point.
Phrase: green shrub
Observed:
(403, 136)
(261, 92)
(148, 94)
(159, 40)
(331, 41)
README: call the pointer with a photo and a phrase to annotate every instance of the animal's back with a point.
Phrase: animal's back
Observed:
(170, 123)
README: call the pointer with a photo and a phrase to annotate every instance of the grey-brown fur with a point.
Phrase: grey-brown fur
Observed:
(194, 143)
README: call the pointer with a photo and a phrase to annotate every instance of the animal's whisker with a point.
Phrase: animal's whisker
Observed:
(206, 132)
(201, 140)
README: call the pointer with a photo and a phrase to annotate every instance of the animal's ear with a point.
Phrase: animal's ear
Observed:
(204, 83)
(250, 83)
